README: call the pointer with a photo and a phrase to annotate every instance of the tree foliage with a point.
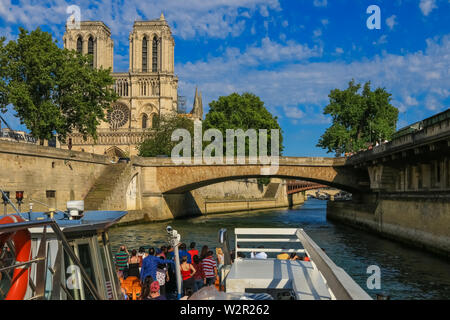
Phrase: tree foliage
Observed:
(358, 119)
(245, 111)
(3, 75)
(55, 90)
(157, 140)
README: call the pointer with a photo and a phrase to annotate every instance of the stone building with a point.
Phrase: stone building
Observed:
(148, 89)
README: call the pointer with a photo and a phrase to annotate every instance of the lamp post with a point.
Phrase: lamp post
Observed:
(19, 198)
(174, 241)
(5, 198)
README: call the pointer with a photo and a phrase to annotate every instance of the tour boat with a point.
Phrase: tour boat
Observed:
(58, 255)
(319, 278)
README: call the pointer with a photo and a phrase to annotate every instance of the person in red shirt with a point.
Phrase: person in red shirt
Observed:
(193, 252)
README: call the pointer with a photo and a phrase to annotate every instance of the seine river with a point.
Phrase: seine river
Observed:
(406, 273)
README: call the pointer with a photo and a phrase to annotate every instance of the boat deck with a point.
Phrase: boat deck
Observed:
(300, 276)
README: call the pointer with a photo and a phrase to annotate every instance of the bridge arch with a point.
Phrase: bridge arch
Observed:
(176, 179)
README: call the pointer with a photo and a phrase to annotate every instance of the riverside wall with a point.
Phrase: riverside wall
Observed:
(419, 220)
(49, 175)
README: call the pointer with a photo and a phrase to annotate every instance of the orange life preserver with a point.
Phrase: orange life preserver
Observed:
(22, 244)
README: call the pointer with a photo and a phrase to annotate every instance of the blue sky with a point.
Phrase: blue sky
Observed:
(290, 53)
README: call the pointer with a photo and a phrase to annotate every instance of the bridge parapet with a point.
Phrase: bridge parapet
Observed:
(285, 161)
(432, 133)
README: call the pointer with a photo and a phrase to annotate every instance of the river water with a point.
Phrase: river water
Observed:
(406, 273)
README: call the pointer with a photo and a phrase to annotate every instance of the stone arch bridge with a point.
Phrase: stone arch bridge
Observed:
(164, 189)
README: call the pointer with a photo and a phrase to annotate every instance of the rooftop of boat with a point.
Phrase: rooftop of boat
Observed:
(317, 279)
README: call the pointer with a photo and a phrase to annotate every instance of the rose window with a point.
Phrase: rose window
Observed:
(118, 116)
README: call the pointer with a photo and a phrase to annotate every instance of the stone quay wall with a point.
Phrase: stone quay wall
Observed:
(39, 170)
(420, 220)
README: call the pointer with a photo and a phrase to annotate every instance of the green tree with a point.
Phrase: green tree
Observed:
(245, 111)
(3, 75)
(157, 140)
(358, 119)
(55, 90)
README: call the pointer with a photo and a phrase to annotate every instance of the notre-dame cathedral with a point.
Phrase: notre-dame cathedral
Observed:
(148, 89)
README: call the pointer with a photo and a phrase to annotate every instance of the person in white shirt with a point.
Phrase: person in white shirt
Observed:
(258, 255)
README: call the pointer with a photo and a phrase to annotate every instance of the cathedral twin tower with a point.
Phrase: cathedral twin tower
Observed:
(147, 90)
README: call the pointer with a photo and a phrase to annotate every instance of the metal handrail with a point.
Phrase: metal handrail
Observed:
(8, 228)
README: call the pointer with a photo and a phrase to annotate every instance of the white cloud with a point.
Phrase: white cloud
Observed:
(427, 6)
(188, 18)
(320, 3)
(381, 40)
(300, 82)
(317, 33)
(339, 50)
(391, 21)
(324, 22)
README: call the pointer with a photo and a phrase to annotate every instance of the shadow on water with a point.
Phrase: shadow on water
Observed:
(406, 273)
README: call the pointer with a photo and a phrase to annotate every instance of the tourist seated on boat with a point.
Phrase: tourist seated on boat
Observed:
(146, 284)
(305, 257)
(133, 265)
(150, 264)
(283, 255)
(258, 255)
(192, 251)
(294, 256)
(183, 253)
(209, 266)
(121, 260)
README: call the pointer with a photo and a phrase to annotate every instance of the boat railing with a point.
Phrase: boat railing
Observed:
(248, 235)
(341, 285)
(38, 287)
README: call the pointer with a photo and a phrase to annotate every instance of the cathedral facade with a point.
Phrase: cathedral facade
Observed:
(147, 90)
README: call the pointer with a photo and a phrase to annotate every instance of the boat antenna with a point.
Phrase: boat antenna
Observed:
(56, 209)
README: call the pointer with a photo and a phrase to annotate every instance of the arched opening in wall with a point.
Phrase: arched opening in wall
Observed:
(155, 54)
(131, 195)
(114, 153)
(144, 54)
(79, 45)
(154, 118)
(91, 50)
(144, 121)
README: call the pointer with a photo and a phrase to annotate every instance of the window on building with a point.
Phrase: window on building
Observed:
(154, 120)
(144, 121)
(91, 50)
(79, 45)
(144, 55)
(155, 55)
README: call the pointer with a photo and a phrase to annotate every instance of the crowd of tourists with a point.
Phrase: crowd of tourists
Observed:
(155, 269)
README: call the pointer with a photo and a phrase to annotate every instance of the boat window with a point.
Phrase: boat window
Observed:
(86, 262)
